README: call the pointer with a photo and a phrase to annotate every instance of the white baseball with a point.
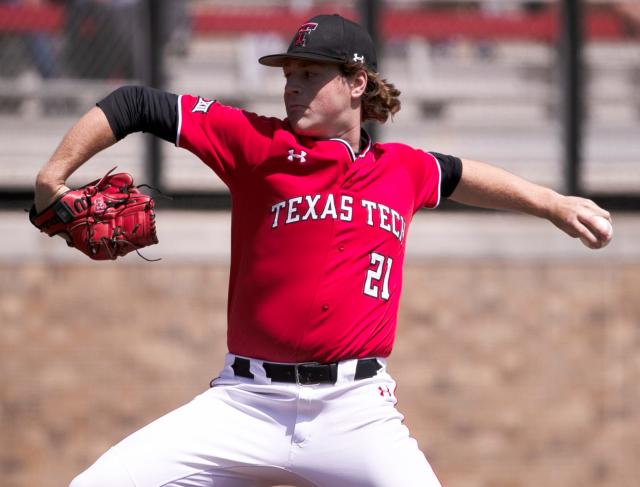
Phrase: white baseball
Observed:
(604, 232)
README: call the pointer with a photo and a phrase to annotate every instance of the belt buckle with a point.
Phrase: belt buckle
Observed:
(325, 373)
(301, 366)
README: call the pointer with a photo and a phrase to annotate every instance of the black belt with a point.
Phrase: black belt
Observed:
(306, 373)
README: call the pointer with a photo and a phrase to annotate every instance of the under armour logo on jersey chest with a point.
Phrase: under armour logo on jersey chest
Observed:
(299, 157)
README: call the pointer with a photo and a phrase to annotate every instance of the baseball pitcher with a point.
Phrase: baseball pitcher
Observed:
(320, 217)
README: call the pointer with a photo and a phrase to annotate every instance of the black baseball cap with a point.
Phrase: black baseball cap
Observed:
(328, 38)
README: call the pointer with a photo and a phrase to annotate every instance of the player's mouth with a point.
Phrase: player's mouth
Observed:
(297, 106)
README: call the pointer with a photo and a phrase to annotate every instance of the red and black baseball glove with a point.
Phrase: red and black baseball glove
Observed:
(104, 219)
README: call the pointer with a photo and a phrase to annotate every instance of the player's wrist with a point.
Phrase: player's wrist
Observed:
(47, 191)
(547, 203)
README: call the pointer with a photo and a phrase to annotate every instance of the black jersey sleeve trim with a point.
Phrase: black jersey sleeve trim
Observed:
(450, 173)
(179, 128)
(138, 108)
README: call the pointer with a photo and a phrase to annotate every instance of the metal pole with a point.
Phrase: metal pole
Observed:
(571, 67)
(153, 15)
(369, 11)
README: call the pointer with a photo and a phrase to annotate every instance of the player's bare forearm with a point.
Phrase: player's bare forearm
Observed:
(487, 186)
(87, 137)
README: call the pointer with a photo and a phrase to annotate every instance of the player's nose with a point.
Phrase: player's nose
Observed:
(291, 87)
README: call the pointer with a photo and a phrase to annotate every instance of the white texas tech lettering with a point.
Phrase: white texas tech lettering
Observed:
(336, 207)
(387, 218)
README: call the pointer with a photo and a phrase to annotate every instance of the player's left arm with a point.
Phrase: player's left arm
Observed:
(487, 186)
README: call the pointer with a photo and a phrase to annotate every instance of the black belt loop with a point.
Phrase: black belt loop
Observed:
(306, 373)
(241, 367)
(366, 368)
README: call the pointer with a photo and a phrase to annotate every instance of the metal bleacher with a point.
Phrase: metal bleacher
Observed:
(495, 101)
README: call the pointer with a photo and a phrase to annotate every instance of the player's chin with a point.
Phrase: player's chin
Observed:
(302, 126)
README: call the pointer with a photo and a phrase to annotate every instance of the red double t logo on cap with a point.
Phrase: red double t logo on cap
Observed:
(304, 29)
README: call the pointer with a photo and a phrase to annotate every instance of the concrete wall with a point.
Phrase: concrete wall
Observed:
(511, 373)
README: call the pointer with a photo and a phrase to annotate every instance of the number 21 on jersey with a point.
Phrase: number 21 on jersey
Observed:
(376, 284)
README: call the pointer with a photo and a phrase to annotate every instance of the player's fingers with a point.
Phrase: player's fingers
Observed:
(597, 210)
(598, 225)
(586, 235)
(599, 231)
(582, 218)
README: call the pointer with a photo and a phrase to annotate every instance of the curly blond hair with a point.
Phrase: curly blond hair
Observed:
(380, 100)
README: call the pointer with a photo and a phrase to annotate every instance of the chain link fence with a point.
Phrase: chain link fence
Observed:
(479, 79)
(612, 99)
(64, 53)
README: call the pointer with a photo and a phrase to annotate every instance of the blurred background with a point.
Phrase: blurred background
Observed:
(518, 350)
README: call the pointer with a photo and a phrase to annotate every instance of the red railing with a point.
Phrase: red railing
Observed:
(600, 24)
(26, 18)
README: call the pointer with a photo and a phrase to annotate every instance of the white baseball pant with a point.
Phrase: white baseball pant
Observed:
(253, 432)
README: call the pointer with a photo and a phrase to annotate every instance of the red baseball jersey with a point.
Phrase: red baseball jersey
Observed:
(318, 234)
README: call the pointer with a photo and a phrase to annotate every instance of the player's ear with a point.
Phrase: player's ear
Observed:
(359, 83)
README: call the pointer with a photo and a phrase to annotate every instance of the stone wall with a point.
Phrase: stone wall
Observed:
(511, 374)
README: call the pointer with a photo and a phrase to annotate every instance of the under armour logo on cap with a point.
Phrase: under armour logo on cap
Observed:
(303, 31)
